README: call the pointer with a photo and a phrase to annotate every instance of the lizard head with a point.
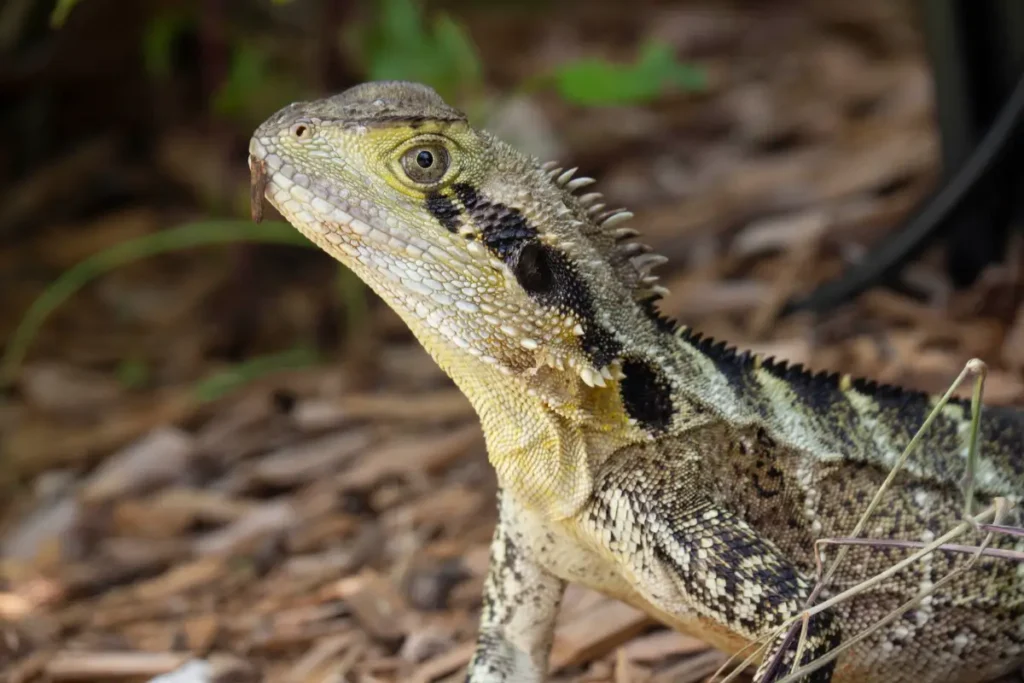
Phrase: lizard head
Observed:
(491, 257)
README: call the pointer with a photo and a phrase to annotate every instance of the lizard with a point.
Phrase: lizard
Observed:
(634, 455)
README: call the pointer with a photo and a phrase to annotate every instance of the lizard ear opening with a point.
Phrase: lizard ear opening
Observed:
(532, 268)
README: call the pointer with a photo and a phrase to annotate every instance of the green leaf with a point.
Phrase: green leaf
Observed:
(225, 381)
(184, 237)
(252, 86)
(454, 43)
(400, 45)
(60, 12)
(599, 82)
(402, 25)
(158, 41)
(247, 71)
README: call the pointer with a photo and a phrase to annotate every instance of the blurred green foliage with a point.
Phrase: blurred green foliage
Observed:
(595, 82)
(253, 87)
(224, 381)
(186, 236)
(401, 44)
(61, 10)
(158, 40)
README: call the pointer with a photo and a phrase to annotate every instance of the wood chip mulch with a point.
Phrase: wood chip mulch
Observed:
(331, 523)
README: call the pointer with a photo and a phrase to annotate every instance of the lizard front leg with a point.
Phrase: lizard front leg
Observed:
(700, 564)
(520, 603)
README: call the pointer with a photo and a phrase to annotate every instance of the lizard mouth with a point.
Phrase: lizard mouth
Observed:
(305, 200)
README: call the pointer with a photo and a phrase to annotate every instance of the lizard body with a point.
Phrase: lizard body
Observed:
(667, 470)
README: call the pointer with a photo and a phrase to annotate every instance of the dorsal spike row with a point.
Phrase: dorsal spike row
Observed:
(795, 373)
(577, 183)
(566, 176)
(631, 249)
(605, 215)
(616, 218)
(632, 261)
(646, 262)
(659, 290)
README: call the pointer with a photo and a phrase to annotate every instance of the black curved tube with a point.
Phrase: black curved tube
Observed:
(928, 221)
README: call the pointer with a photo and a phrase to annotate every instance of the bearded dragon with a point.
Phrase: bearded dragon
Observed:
(633, 455)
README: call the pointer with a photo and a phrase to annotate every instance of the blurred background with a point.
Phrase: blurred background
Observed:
(216, 445)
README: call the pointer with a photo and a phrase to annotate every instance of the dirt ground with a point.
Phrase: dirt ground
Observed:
(329, 521)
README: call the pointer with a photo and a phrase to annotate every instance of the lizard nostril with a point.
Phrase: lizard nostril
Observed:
(300, 130)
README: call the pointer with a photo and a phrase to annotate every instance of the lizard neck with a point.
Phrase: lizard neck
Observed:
(548, 433)
(545, 443)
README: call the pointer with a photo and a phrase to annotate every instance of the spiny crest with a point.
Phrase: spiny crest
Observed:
(606, 231)
(633, 262)
(794, 374)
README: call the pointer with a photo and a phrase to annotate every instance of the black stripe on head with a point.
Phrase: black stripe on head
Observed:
(503, 228)
(444, 210)
(547, 274)
(646, 395)
(550, 278)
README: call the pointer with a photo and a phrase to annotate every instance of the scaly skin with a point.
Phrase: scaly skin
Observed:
(676, 474)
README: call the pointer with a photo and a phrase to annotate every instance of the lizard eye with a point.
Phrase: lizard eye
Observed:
(426, 164)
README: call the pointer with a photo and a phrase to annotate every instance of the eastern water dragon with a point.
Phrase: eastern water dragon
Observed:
(634, 456)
